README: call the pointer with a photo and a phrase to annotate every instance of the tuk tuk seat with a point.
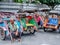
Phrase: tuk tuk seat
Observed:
(53, 21)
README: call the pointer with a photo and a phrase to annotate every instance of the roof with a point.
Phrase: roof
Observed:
(13, 11)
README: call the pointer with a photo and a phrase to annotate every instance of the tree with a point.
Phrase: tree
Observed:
(18, 1)
(0, 0)
(36, 1)
(51, 3)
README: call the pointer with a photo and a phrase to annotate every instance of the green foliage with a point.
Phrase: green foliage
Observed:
(0, 0)
(18, 1)
(27, 1)
(50, 2)
(35, 2)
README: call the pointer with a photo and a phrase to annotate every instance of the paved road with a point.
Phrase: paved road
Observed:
(40, 38)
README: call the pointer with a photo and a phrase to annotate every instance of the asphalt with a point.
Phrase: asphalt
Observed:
(39, 38)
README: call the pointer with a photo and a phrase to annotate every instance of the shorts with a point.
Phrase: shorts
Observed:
(40, 23)
(16, 37)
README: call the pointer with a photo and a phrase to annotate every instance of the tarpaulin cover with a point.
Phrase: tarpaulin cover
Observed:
(32, 21)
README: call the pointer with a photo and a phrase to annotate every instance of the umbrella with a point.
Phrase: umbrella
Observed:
(54, 12)
(43, 8)
(30, 8)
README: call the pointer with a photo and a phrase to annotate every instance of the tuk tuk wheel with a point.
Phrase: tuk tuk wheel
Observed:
(32, 32)
(44, 29)
(59, 29)
(53, 30)
(1, 33)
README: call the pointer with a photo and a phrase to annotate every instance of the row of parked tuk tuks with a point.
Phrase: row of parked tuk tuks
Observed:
(31, 21)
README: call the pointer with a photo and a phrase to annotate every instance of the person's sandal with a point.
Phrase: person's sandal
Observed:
(19, 40)
(12, 40)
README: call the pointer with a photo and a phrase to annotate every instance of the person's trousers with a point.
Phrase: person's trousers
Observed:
(16, 36)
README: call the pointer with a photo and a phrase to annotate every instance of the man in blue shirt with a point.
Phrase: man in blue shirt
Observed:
(17, 22)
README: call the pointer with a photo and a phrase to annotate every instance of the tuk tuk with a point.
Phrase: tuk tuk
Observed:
(27, 26)
(5, 16)
(51, 23)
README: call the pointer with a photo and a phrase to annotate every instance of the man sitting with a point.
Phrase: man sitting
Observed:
(13, 29)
